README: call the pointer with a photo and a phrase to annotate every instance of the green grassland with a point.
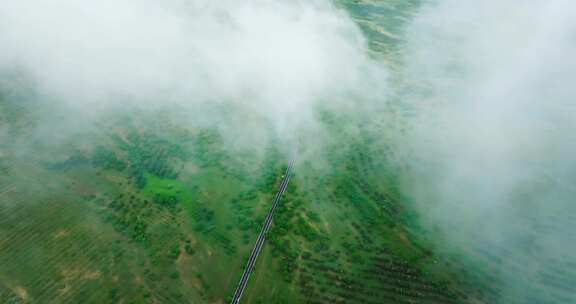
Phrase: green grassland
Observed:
(143, 209)
(131, 217)
(143, 212)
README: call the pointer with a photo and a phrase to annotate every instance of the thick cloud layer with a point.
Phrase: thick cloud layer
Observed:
(494, 143)
(273, 57)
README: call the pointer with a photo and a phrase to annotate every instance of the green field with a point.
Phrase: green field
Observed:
(145, 209)
(143, 212)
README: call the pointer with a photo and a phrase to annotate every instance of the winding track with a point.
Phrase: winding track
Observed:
(262, 236)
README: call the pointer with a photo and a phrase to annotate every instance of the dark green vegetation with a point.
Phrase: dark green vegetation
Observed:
(132, 213)
(147, 209)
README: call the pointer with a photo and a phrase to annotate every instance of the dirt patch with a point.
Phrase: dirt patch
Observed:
(61, 233)
(404, 239)
(70, 274)
(21, 293)
(65, 289)
(92, 275)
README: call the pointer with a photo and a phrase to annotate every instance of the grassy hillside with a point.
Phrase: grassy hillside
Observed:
(144, 211)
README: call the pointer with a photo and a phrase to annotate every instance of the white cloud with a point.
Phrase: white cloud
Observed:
(273, 57)
(494, 135)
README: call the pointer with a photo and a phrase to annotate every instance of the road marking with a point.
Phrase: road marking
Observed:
(262, 236)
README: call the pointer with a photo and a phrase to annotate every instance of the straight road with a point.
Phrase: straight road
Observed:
(262, 236)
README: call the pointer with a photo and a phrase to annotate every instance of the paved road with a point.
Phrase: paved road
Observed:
(262, 236)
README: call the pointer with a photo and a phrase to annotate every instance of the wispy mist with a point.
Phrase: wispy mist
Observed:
(493, 138)
(275, 58)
